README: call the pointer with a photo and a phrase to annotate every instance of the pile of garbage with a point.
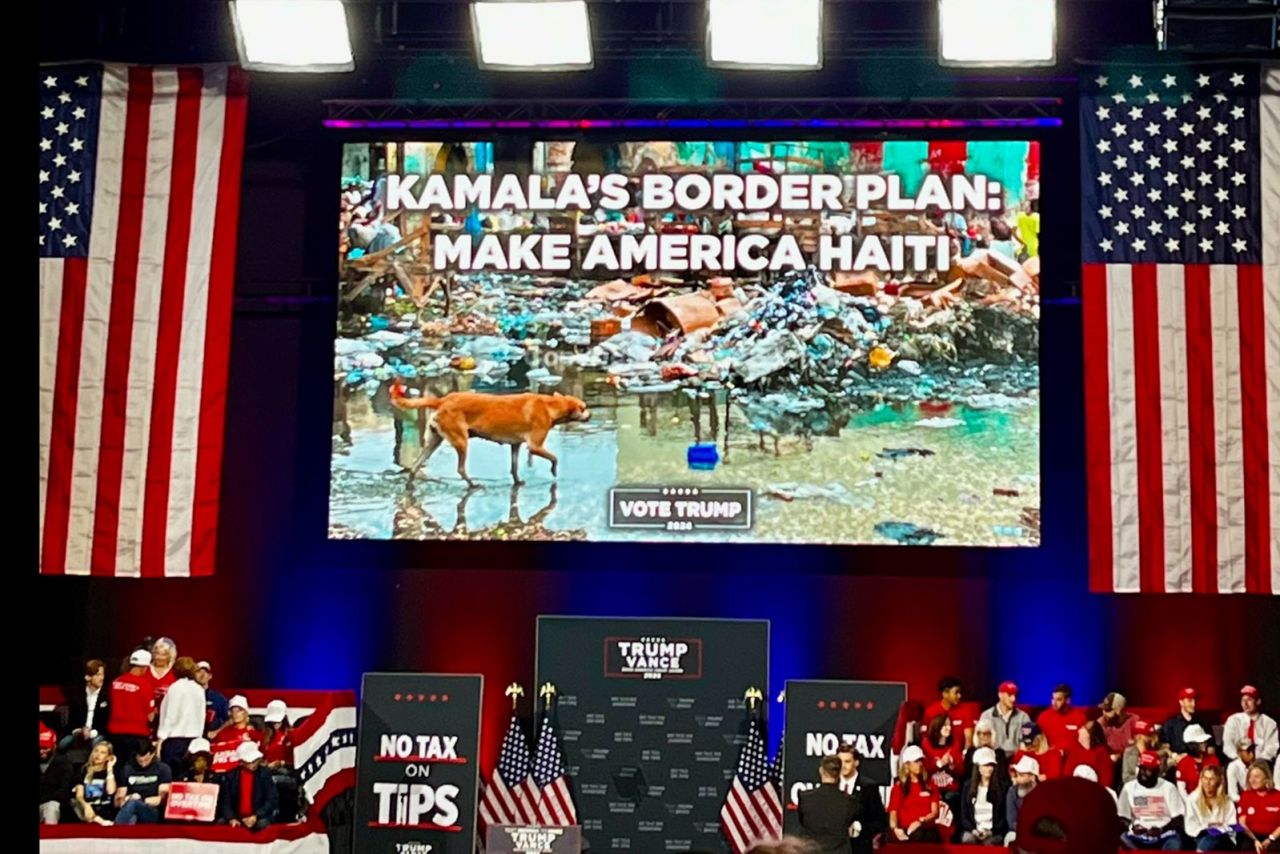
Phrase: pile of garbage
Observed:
(797, 350)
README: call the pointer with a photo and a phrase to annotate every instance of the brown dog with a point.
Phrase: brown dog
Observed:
(508, 419)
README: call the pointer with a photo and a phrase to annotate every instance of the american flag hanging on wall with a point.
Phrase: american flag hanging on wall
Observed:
(139, 186)
(1181, 301)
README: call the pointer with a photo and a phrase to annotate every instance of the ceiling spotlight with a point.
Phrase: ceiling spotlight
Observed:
(997, 32)
(532, 35)
(292, 35)
(765, 34)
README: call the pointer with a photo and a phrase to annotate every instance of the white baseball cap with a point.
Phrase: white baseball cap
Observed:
(140, 658)
(984, 756)
(199, 745)
(238, 701)
(1195, 734)
(911, 753)
(1027, 765)
(204, 665)
(248, 752)
(1086, 772)
(276, 710)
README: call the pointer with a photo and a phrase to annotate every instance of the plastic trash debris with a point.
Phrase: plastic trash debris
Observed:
(776, 350)
(903, 453)
(1006, 530)
(542, 376)
(907, 533)
(703, 457)
(939, 423)
(910, 367)
(879, 358)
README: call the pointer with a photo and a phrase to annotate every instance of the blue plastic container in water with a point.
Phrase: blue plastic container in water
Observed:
(703, 457)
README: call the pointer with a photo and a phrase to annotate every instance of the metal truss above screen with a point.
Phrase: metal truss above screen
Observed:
(610, 114)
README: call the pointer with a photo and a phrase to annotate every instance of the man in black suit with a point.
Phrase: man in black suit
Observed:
(87, 712)
(870, 818)
(826, 813)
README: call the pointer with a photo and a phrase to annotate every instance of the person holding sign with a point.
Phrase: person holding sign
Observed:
(826, 813)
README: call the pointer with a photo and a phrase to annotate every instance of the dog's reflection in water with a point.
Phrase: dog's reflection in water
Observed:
(412, 521)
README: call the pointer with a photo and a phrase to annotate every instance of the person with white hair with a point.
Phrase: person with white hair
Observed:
(164, 652)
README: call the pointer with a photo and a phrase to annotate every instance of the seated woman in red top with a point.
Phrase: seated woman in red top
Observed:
(913, 804)
(277, 740)
(944, 760)
(1199, 754)
(1259, 811)
(238, 728)
(1091, 750)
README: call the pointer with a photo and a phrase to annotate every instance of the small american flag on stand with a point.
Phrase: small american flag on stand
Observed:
(555, 806)
(752, 811)
(512, 795)
(1181, 308)
(139, 188)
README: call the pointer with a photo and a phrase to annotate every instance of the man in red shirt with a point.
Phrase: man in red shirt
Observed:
(1061, 722)
(131, 705)
(962, 715)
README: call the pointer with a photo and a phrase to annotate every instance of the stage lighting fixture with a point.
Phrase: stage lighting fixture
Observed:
(292, 35)
(1237, 27)
(532, 35)
(996, 32)
(765, 34)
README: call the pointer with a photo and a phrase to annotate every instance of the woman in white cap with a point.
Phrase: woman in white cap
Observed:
(982, 813)
(239, 728)
(1198, 756)
(914, 805)
(277, 749)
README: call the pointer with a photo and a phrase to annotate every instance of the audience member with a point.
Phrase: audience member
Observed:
(944, 759)
(238, 729)
(1026, 775)
(131, 706)
(216, 709)
(1171, 733)
(913, 804)
(1061, 721)
(182, 714)
(1048, 760)
(1238, 769)
(249, 796)
(1146, 739)
(277, 747)
(984, 735)
(93, 797)
(1153, 808)
(1086, 772)
(1211, 817)
(1091, 749)
(949, 705)
(1259, 810)
(826, 814)
(55, 777)
(1199, 755)
(1007, 720)
(143, 788)
(870, 819)
(199, 763)
(1068, 816)
(982, 802)
(1251, 723)
(88, 707)
(1117, 725)
(164, 652)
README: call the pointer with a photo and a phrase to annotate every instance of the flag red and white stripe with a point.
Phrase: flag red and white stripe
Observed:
(134, 332)
(1182, 380)
(752, 810)
(512, 795)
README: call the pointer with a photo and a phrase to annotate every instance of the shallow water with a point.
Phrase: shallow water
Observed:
(830, 489)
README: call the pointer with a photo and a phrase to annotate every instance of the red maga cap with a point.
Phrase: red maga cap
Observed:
(1149, 759)
(1008, 688)
(1187, 694)
(1248, 691)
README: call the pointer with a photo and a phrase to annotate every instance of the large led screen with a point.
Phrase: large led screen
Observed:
(799, 342)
